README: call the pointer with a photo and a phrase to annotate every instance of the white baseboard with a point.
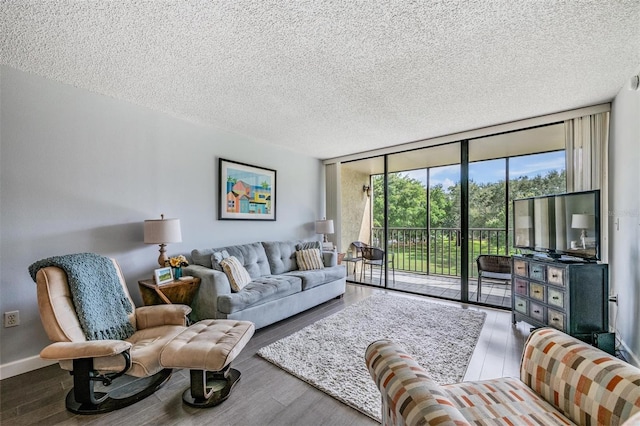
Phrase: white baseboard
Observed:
(25, 365)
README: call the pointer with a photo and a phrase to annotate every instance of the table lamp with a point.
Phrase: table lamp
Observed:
(324, 227)
(162, 231)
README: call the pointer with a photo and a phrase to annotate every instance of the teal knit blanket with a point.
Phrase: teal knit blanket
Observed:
(100, 302)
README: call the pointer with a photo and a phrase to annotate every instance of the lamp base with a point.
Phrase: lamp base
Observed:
(162, 259)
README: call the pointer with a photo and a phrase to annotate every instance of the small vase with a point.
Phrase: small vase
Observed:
(177, 273)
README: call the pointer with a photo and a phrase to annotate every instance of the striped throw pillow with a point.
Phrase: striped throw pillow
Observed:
(236, 272)
(309, 259)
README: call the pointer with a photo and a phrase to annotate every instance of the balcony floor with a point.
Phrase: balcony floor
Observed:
(495, 293)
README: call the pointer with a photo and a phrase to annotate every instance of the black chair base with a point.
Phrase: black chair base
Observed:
(210, 388)
(110, 401)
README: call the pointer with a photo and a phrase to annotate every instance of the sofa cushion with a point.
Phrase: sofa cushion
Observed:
(314, 278)
(281, 256)
(237, 274)
(505, 401)
(309, 259)
(260, 290)
(252, 256)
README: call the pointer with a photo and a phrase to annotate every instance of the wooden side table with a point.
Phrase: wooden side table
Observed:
(179, 291)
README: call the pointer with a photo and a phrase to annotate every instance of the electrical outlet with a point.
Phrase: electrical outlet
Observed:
(11, 319)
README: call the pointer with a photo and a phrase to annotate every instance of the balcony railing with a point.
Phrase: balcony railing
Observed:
(438, 251)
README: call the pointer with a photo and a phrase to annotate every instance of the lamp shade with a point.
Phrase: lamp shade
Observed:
(582, 221)
(324, 226)
(162, 231)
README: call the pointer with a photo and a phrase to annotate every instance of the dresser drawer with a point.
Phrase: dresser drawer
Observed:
(520, 268)
(536, 312)
(555, 297)
(556, 319)
(555, 276)
(521, 286)
(536, 291)
(521, 305)
(537, 271)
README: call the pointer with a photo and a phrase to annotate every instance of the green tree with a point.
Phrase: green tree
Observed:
(407, 202)
(440, 206)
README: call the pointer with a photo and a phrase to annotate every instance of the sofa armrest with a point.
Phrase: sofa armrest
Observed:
(409, 395)
(329, 258)
(213, 283)
(578, 379)
(157, 315)
(90, 349)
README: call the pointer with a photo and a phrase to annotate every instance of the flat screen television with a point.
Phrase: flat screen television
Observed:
(559, 225)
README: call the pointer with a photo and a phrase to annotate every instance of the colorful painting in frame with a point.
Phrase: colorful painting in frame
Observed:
(246, 192)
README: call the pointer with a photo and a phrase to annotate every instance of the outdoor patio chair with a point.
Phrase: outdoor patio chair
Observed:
(374, 256)
(359, 245)
(495, 267)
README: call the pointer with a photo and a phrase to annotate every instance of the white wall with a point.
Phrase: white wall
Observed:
(624, 218)
(80, 172)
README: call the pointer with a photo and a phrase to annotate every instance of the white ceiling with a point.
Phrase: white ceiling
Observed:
(331, 78)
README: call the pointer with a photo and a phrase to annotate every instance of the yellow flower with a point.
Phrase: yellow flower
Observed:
(177, 261)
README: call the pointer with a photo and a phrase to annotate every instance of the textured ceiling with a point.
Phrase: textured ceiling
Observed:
(330, 78)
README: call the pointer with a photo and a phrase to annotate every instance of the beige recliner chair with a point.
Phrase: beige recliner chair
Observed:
(158, 338)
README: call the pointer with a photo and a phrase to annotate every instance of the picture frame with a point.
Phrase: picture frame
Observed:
(245, 192)
(163, 275)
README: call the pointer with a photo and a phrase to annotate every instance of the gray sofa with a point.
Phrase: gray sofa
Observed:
(278, 288)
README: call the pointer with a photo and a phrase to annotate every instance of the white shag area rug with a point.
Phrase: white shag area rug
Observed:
(329, 354)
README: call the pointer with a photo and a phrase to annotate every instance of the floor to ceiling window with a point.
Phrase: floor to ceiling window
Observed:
(402, 214)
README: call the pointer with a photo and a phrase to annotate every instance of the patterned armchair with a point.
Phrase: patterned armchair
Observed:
(562, 381)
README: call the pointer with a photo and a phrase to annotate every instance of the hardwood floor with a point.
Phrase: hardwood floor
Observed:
(266, 395)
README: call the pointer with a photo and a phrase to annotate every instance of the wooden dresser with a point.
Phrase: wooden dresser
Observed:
(570, 296)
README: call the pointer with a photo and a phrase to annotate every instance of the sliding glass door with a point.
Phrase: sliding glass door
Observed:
(416, 221)
(503, 168)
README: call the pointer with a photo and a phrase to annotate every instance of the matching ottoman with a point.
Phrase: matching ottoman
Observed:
(207, 348)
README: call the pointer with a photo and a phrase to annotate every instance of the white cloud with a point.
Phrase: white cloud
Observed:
(538, 167)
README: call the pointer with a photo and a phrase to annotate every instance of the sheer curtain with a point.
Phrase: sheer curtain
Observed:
(332, 200)
(587, 147)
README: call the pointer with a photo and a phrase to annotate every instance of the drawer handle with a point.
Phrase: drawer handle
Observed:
(536, 291)
(554, 276)
(537, 312)
(555, 298)
(555, 319)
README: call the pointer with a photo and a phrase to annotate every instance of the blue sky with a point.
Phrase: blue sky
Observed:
(493, 170)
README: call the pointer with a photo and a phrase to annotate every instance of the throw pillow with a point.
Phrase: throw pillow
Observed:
(308, 245)
(309, 259)
(217, 257)
(236, 272)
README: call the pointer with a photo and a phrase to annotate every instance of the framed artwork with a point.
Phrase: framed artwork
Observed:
(246, 192)
(163, 275)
